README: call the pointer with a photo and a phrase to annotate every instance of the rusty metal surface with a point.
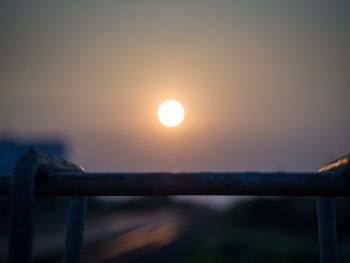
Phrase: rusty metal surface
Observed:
(341, 165)
(50, 163)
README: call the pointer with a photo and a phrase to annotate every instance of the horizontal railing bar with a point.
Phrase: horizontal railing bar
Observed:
(151, 184)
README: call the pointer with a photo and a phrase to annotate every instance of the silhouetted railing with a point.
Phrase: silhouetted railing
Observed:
(41, 174)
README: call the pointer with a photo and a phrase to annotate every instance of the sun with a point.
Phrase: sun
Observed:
(171, 113)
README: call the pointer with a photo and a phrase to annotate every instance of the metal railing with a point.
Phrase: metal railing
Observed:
(41, 174)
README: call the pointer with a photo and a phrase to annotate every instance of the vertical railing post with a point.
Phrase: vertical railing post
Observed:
(326, 214)
(21, 208)
(327, 230)
(74, 229)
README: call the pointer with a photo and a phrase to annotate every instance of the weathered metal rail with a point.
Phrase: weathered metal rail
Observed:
(42, 174)
(143, 184)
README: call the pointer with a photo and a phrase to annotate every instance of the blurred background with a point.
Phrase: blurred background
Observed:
(264, 84)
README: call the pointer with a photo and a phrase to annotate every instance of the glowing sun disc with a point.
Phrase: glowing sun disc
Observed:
(171, 113)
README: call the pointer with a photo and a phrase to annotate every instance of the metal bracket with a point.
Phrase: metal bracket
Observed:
(30, 167)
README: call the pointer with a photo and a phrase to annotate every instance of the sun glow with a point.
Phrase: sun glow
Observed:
(171, 113)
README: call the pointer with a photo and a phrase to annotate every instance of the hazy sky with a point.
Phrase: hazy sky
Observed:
(265, 84)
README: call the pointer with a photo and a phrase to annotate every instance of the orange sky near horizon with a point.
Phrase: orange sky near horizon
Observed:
(265, 85)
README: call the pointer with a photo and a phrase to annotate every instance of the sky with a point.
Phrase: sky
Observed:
(264, 84)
